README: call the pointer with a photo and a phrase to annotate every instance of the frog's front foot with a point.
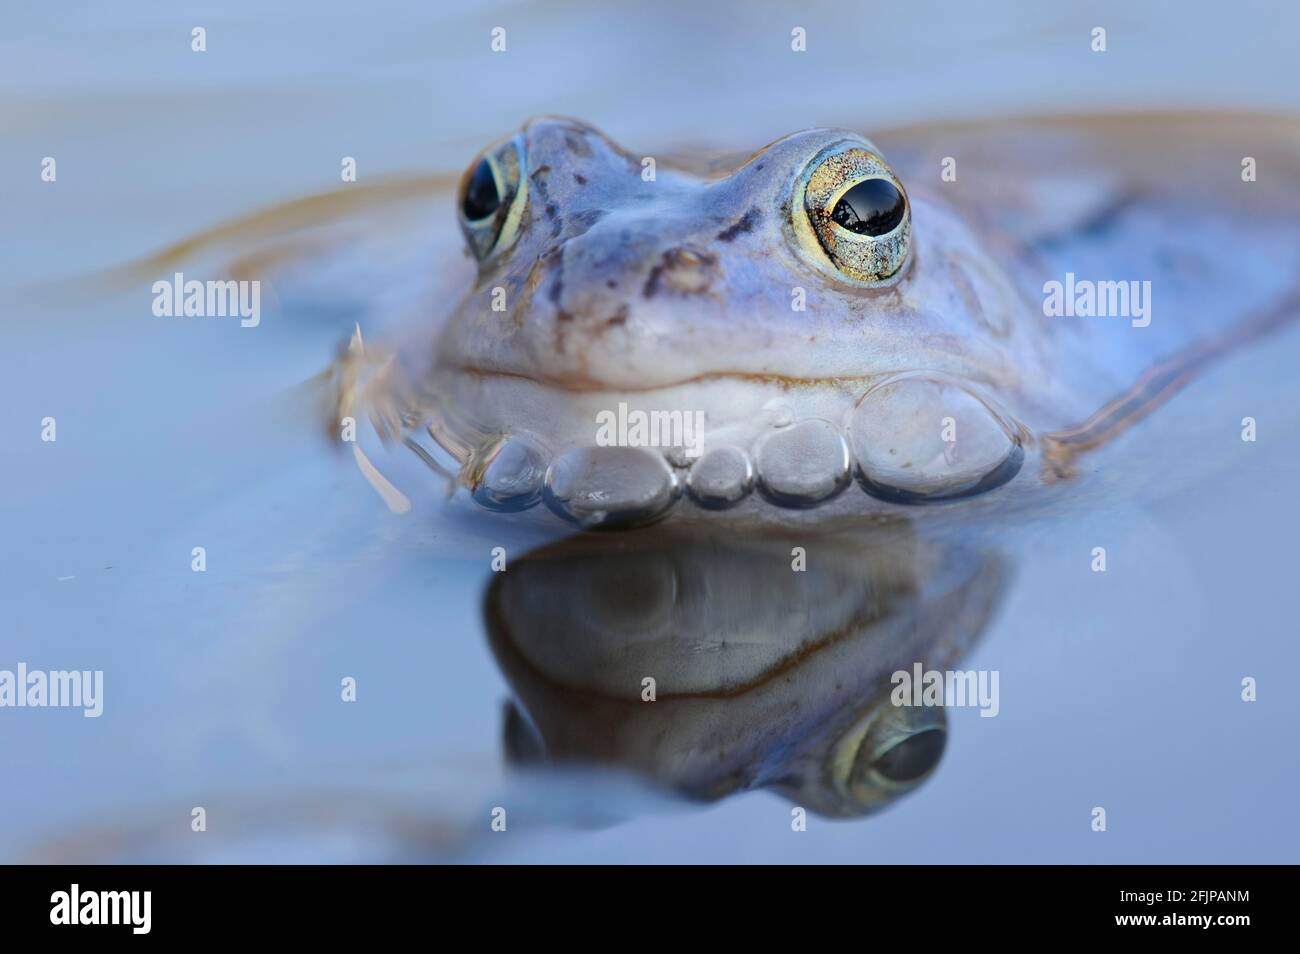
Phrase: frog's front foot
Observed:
(368, 384)
(365, 381)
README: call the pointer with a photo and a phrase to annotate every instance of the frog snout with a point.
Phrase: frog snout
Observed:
(617, 268)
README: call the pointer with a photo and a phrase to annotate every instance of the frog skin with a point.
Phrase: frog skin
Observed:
(918, 361)
(703, 294)
(589, 288)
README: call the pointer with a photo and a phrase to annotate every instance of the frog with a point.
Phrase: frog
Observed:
(770, 302)
(855, 330)
(826, 324)
(499, 400)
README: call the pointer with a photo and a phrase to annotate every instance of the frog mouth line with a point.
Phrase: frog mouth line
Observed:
(792, 459)
(587, 385)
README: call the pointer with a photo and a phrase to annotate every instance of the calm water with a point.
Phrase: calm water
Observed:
(222, 689)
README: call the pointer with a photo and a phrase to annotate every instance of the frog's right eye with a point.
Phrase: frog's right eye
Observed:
(491, 199)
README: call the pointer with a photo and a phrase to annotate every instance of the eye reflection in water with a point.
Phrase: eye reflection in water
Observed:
(764, 676)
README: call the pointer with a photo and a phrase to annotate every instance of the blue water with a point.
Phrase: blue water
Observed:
(222, 689)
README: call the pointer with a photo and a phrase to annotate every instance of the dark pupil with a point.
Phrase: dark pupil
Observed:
(913, 757)
(481, 198)
(872, 207)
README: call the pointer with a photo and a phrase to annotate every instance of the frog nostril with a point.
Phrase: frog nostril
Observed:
(682, 270)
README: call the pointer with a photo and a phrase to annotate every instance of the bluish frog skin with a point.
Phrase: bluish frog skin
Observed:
(829, 320)
(910, 355)
(738, 296)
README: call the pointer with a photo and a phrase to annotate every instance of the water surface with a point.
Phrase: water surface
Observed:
(222, 689)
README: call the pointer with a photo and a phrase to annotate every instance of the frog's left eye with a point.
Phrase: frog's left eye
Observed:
(852, 214)
(491, 199)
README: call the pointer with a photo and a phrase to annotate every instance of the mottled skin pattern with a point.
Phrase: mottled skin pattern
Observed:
(617, 284)
(711, 293)
(682, 293)
(677, 292)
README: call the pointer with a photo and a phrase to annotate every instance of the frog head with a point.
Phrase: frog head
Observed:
(802, 314)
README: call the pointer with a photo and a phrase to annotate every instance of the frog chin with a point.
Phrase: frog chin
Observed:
(618, 458)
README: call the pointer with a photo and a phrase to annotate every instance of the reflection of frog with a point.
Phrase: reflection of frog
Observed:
(762, 677)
